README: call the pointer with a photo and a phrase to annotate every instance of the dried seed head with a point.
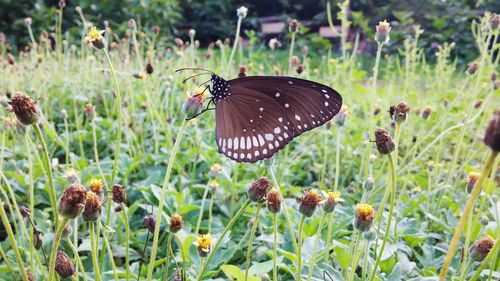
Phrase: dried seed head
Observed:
(426, 113)
(382, 35)
(333, 197)
(274, 200)
(28, 21)
(385, 144)
(258, 189)
(294, 25)
(93, 207)
(399, 112)
(203, 244)
(365, 213)
(118, 194)
(193, 105)
(72, 201)
(471, 181)
(492, 134)
(149, 68)
(242, 12)
(25, 211)
(64, 266)
(149, 222)
(96, 186)
(192, 33)
(309, 202)
(473, 67)
(481, 248)
(176, 223)
(25, 109)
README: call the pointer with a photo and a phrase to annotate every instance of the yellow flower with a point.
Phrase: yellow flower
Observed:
(96, 185)
(333, 197)
(363, 219)
(95, 37)
(417, 189)
(213, 184)
(204, 244)
(364, 210)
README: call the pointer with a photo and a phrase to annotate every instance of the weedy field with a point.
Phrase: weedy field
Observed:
(103, 178)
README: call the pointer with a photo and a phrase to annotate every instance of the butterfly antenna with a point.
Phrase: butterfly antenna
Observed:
(193, 68)
(193, 76)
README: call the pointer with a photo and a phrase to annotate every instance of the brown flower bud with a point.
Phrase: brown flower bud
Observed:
(473, 67)
(376, 111)
(29, 275)
(478, 103)
(193, 105)
(25, 109)
(64, 266)
(176, 223)
(96, 186)
(383, 29)
(118, 194)
(93, 207)
(481, 248)
(493, 76)
(156, 29)
(385, 144)
(67, 231)
(242, 71)
(492, 134)
(72, 201)
(363, 219)
(309, 202)
(331, 201)
(426, 113)
(300, 68)
(149, 68)
(471, 181)
(11, 59)
(274, 200)
(258, 189)
(25, 211)
(399, 113)
(149, 222)
(294, 25)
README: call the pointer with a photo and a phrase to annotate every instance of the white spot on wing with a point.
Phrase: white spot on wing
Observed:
(242, 143)
(230, 143)
(287, 105)
(269, 137)
(297, 117)
(277, 94)
(255, 142)
(236, 146)
(280, 119)
(261, 140)
(277, 130)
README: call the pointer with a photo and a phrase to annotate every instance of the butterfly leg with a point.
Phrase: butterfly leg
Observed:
(203, 111)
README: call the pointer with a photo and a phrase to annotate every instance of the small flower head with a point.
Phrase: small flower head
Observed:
(368, 184)
(294, 26)
(385, 144)
(213, 185)
(473, 67)
(95, 38)
(481, 248)
(203, 244)
(426, 113)
(242, 12)
(193, 105)
(215, 170)
(300, 68)
(431, 165)
(399, 113)
(242, 71)
(72, 201)
(149, 222)
(365, 213)
(93, 207)
(341, 116)
(274, 43)
(176, 223)
(471, 181)
(492, 134)
(118, 194)
(333, 197)
(96, 186)
(258, 189)
(156, 30)
(274, 200)
(309, 202)
(149, 68)
(382, 35)
(64, 266)
(192, 33)
(28, 21)
(25, 109)
(25, 211)
(294, 61)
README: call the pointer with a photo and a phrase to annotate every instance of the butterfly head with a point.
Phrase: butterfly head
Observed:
(220, 88)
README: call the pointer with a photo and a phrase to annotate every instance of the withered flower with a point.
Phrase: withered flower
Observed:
(72, 201)
(25, 109)
(309, 202)
(399, 112)
(258, 189)
(176, 223)
(274, 200)
(118, 194)
(93, 207)
(481, 248)
(492, 134)
(385, 144)
(64, 266)
(149, 222)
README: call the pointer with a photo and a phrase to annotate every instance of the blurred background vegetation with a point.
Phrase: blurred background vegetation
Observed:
(442, 20)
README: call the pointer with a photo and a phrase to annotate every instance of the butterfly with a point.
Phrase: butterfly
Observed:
(256, 116)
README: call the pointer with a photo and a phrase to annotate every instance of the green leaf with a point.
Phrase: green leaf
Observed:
(235, 273)
(396, 273)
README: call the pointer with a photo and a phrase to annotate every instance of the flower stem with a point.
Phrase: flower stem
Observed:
(127, 238)
(315, 246)
(468, 208)
(13, 243)
(250, 241)
(337, 160)
(354, 260)
(275, 246)
(465, 270)
(48, 170)
(94, 250)
(77, 258)
(161, 203)
(235, 44)
(290, 54)
(329, 234)
(389, 220)
(165, 272)
(226, 229)
(299, 248)
(55, 245)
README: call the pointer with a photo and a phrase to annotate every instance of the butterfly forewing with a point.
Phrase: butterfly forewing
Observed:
(259, 115)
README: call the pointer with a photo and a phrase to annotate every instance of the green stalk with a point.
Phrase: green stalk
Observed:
(290, 54)
(391, 209)
(337, 160)
(465, 270)
(250, 241)
(48, 171)
(165, 272)
(299, 248)
(468, 208)
(202, 208)
(55, 245)
(127, 239)
(77, 258)
(161, 203)
(235, 44)
(94, 241)
(275, 246)
(13, 243)
(355, 256)
(329, 238)
(183, 257)
(315, 246)
(464, 263)
(226, 229)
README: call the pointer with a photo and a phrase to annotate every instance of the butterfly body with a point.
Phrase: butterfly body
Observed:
(256, 116)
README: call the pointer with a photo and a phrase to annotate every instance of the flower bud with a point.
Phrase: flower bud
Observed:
(294, 25)
(363, 219)
(471, 181)
(493, 76)
(96, 186)
(399, 113)
(385, 144)
(300, 68)
(193, 105)
(95, 38)
(426, 113)
(118, 194)
(149, 222)
(481, 248)
(368, 184)
(176, 223)
(341, 116)
(213, 185)
(192, 33)
(376, 111)
(25, 109)
(274, 200)
(431, 165)
(485, 221)
(331, 201)
(294, 61)
(156, 29)
(72, 201)
(11, 59)
(93, 207)
(242, 71)
(30, 276)
(274, 43)
(258, 189)
(369, 235)
(242, 12)
(309, 202)
(67, 231)
(64, 266)
(215, 170)
(149, 68)
(492, 134)
(25, 211)
(473, 67)
(382, 35)
(203, 244)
